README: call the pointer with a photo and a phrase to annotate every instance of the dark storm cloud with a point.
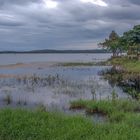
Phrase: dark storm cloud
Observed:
(135, 2)
(28, 24)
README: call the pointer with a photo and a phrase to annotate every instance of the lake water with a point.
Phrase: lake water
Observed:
(6, 59)
(43, 83)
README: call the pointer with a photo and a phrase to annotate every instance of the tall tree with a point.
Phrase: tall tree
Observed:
(132, 39)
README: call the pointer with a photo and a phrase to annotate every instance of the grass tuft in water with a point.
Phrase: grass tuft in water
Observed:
(8, 99)
(115, 110)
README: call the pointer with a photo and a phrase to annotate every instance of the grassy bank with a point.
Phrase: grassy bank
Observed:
(125, 73)
(132, 66)
(25, 125)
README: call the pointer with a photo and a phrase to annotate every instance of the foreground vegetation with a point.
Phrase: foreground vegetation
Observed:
(25, 125)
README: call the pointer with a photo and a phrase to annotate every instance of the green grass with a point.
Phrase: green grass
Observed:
(127, 64)
(72, 64)
(25, 125)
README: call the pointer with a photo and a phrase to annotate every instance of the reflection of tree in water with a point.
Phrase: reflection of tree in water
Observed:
(117, 76)
(113, 75)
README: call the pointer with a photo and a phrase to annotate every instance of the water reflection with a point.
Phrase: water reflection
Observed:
(54, 87)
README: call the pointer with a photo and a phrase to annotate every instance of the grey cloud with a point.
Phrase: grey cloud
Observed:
(27, 24)
(17, 2)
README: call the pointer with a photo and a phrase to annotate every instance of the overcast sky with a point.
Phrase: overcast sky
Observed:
(63, 24)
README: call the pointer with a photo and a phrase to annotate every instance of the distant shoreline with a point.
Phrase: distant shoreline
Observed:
(54, 51)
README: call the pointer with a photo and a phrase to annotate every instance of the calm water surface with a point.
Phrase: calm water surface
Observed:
(28, 58)
(52, 86)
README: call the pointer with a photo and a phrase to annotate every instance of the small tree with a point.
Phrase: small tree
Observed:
(112, 43)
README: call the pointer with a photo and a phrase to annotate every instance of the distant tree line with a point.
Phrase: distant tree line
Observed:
(129, 42)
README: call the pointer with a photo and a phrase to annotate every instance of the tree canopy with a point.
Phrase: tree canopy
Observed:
(132, 40)
(112, 43)
(129, 42)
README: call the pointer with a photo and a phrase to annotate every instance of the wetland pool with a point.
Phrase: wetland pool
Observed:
(43, 83)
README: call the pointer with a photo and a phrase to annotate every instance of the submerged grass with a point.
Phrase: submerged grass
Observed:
(8, 99)
(25, 125)
(70, 64)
